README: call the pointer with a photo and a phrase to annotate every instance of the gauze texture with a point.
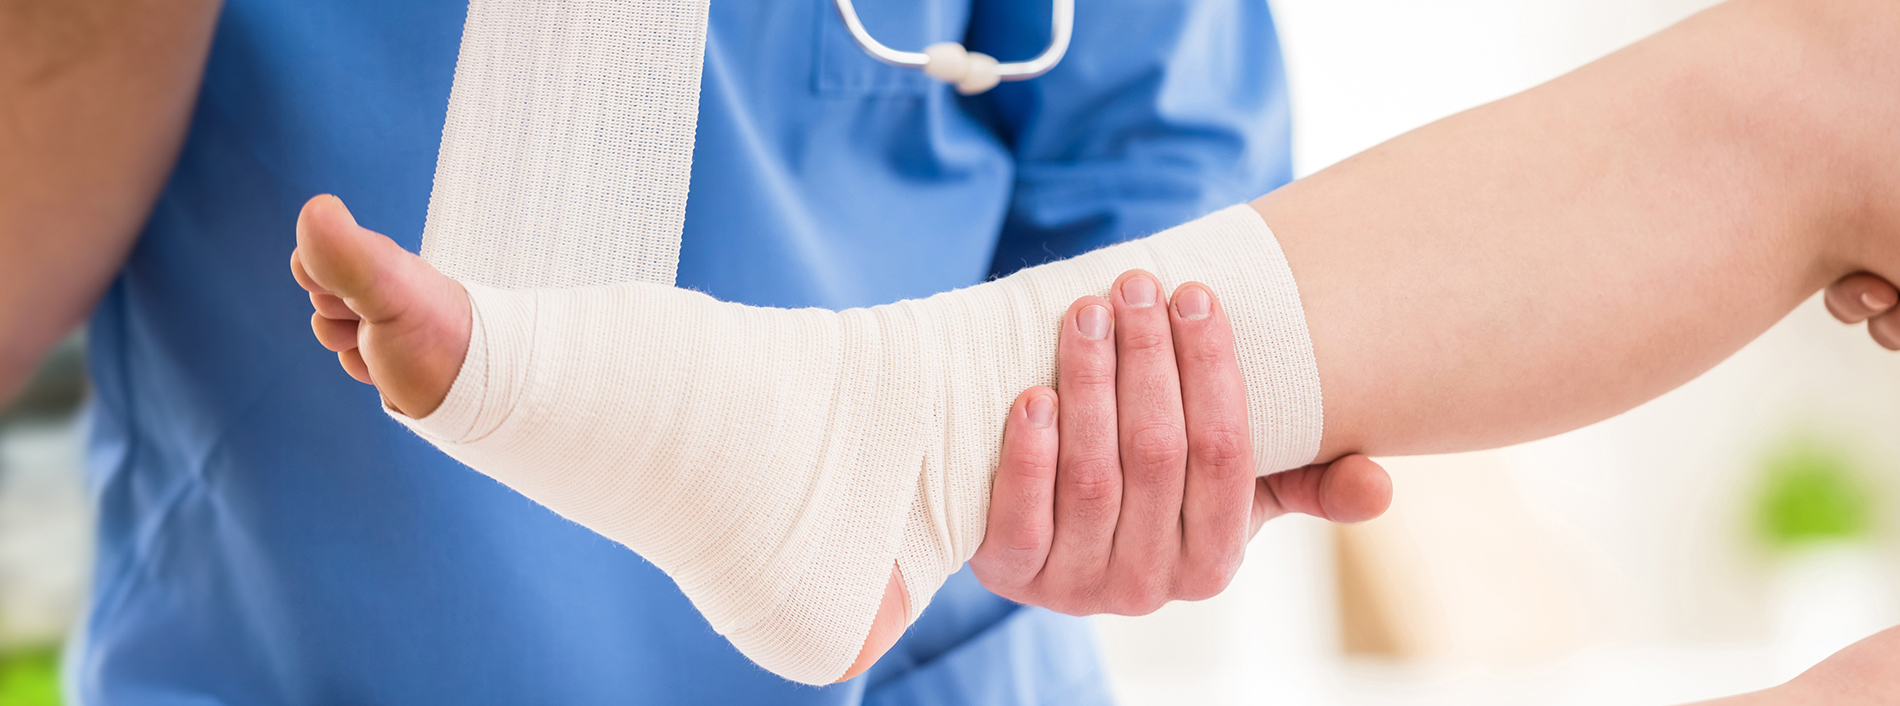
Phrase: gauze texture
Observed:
(568, 146)
(777, 462)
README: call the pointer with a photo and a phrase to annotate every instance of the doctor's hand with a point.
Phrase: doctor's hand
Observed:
(1866, 297)
(1136, 487)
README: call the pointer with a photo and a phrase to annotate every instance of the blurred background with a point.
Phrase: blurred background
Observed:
(45, 526)
(1717, 540)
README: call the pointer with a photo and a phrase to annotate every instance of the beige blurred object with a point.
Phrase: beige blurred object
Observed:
(1462, 568)
(1372, 594)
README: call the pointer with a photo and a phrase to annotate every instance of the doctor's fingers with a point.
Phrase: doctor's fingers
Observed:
(1351, 489)
(1885, 329)
(1022, 499)
(1860, 296)
(1153, 448)
(1217, 503)
(1088, 465)
(1867, 297)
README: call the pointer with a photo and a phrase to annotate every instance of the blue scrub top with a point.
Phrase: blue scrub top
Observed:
(268, 536)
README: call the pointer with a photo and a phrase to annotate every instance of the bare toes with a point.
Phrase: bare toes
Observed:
(335, 334)
(331, 306)
(302, 275)
(353, 364)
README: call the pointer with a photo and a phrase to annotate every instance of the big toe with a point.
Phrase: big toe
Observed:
(414, 321)
(368, 270)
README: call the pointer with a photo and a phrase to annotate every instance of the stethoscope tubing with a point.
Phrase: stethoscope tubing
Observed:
(1061, 21)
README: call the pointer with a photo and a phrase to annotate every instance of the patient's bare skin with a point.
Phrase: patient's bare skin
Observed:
(1557, 257)
(392, 319)
(1866, 673)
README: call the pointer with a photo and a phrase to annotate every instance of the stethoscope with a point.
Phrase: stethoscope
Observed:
(971, 72)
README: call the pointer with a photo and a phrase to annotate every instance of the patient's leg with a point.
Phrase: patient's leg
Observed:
(1557, 257)
(1866, 673)
(1521, 269)
(776, 463)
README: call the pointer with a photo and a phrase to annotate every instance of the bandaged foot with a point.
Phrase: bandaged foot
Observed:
(777, 463)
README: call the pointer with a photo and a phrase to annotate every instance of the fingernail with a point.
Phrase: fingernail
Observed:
(1042, 411)
(1139, 292)
(1874, 302)
(1093, 322)
(1192, 303)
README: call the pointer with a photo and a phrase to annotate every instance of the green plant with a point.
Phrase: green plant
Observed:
(1811, 493)
(30, 678)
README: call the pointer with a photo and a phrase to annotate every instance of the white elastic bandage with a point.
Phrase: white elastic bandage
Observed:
(773, 462)
(776, 462)
(568, 146)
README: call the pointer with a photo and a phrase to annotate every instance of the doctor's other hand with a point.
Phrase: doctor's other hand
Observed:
(1867, 297)
(1136, 487)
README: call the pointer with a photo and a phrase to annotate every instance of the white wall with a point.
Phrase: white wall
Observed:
(1363, 71)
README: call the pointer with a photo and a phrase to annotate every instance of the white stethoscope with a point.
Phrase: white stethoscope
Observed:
(971, 72)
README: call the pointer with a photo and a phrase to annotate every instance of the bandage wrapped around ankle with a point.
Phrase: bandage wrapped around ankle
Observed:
(777, 462)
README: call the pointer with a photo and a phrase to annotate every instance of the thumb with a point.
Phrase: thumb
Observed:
(1351, 489)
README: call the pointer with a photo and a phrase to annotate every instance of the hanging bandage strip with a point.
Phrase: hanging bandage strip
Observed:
(568, 147)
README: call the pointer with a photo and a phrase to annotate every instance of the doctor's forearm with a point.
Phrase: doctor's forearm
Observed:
(1557, 257)
(94, 99)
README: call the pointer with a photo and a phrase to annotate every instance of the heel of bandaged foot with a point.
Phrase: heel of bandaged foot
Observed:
(775, 463)
(751, 454)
